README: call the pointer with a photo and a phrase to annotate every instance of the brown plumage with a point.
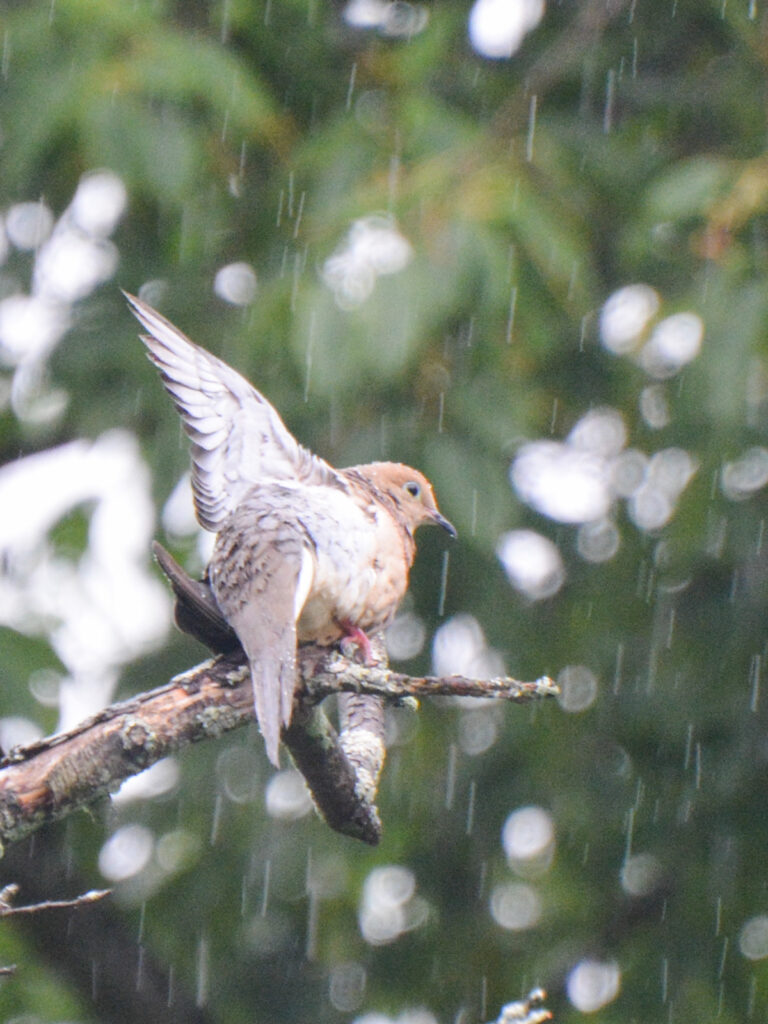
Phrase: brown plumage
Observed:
(304, 552)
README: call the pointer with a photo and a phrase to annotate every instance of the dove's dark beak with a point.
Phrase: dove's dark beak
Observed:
(440, 520)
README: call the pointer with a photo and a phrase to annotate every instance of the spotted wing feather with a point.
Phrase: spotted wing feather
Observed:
(238, 438)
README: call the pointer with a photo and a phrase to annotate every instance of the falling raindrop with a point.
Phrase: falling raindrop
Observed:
(139, 969)
(299, 214)
(5, 60)
(265, 886)
(688, 747)
(553, 417)
(610, 99)
(202, 970)
(450, 776)
(751, 997)
(471, 808)
(755, 667)
(310, 945)
(443, 585)
(351, 87)
(630, 834)
(218, 804)
(619, 666)
(531, 128)
(511, 317)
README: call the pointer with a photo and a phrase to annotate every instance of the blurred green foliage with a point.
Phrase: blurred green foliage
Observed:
(259, 131)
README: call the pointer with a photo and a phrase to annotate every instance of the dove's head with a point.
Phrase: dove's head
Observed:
(410, 491)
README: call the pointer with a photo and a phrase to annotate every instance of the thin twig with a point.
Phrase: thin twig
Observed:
(10, 891)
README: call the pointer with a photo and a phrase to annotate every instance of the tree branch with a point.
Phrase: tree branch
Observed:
(49, 779)
(526, 1011)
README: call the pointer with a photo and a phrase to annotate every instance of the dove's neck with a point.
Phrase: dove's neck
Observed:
(374, 498)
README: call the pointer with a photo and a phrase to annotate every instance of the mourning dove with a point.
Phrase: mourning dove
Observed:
(304, 552)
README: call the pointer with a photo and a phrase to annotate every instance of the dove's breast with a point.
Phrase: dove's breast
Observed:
(354, 560)
(362, 560)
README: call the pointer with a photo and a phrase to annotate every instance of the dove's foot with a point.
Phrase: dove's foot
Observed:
(357, 636)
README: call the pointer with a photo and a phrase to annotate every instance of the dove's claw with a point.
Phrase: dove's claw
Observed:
(359, 637)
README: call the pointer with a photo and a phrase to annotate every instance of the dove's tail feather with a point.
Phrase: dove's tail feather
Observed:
(274, 682)
(269, 640)
(196, 611)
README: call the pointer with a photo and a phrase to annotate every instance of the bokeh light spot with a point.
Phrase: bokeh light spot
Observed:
(126, 852)
(533, 564)
(593, 984)
(497, 27)
(528, 839)
(287, 796)
(578, 687)
(753, 938)
(515, 906)
(236, 283)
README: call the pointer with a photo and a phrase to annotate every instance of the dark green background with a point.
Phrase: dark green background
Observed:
(210, 112)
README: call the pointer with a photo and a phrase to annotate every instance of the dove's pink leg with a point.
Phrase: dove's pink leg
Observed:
(359, 637)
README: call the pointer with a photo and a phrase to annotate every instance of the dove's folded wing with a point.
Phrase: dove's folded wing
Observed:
(238, 438)
(263, 609)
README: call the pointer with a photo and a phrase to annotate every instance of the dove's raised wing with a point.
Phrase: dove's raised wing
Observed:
(238, 438)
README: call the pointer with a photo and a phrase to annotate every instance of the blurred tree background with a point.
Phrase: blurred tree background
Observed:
(524, 249)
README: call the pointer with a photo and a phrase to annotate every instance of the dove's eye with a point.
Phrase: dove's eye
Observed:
(413, 488)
